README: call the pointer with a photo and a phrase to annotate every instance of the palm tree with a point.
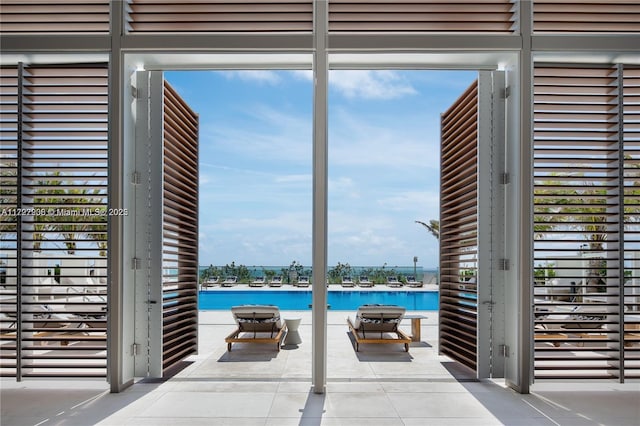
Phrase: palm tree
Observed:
(433, 227)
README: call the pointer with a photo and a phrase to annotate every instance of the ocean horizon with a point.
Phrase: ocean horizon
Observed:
(420, 272)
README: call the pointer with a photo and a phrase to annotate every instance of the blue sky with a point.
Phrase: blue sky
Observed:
(255, 164)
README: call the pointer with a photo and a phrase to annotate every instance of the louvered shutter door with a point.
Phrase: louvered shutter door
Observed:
(459, 229)
(180, 230)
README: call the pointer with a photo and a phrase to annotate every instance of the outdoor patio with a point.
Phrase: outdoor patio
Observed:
(255, 385)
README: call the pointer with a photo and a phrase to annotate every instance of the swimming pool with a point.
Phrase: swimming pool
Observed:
(300, 300)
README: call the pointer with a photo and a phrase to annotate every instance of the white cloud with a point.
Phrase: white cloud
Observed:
(368, 141)
(291, 222)
(411, 200)
(369, 84)
(306, 75)
(344, 186)
(301, 178)
(268, 134)
(258, 76)
(204, 179)
(365, 84)
(269, 240)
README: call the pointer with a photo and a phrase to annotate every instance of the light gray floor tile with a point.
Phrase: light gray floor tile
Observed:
(429, 386)
(275, 421)
(212, 405)
(297, 405)
(360, 405)
(204, 421)
(294, 386)
(470, 421)
(438, 405)
(213, 385)
(354, 387)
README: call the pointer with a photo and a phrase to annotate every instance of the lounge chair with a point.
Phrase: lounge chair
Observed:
(256, 324)
(347, 282)
(632, 334)
(303, 281)
(412, 282)
(377, 324)
(363, 281)
(581, 322)
(276, 281)
(257, 282)
(51, 323)
(392, 281)
(210, 282)
(230, 281)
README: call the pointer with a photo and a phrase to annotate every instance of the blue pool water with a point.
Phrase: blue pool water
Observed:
(300, 300)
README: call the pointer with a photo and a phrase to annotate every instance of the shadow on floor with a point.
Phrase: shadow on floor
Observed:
(84, 404)
(372, 352)
(249, 353)
(460, 372)
(313, 409)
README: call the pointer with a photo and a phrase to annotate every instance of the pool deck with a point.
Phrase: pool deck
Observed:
(379, 386)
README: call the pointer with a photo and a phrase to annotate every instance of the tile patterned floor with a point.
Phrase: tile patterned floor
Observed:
(377, 386)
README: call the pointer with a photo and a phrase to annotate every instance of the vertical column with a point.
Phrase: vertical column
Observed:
(320, 186)
(523, 263)
(500, 260)
(619, 297)
(485, 234)
(119, 378)
(19, 153)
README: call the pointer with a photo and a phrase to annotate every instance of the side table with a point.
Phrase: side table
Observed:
(293, 335)
(415, 326)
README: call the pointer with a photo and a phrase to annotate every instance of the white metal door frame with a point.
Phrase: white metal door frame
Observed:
(146, 182)
(492, 259)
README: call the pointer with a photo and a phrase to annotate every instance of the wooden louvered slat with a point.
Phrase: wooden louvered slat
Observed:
(459, 228)
(219, 16)
(62, 16)
(460, 16)
(180, 229)
(586, 16)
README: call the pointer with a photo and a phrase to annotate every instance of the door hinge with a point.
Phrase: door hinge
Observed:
(504, 349)
(489, 304)
(135, 178)
(504, 264)
(504, 178)
(134, 92)
(507, 92)
(135, 263)
(135, 349)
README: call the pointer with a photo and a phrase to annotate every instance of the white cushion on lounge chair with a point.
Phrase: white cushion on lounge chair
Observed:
(257, 314)
(378, 314)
